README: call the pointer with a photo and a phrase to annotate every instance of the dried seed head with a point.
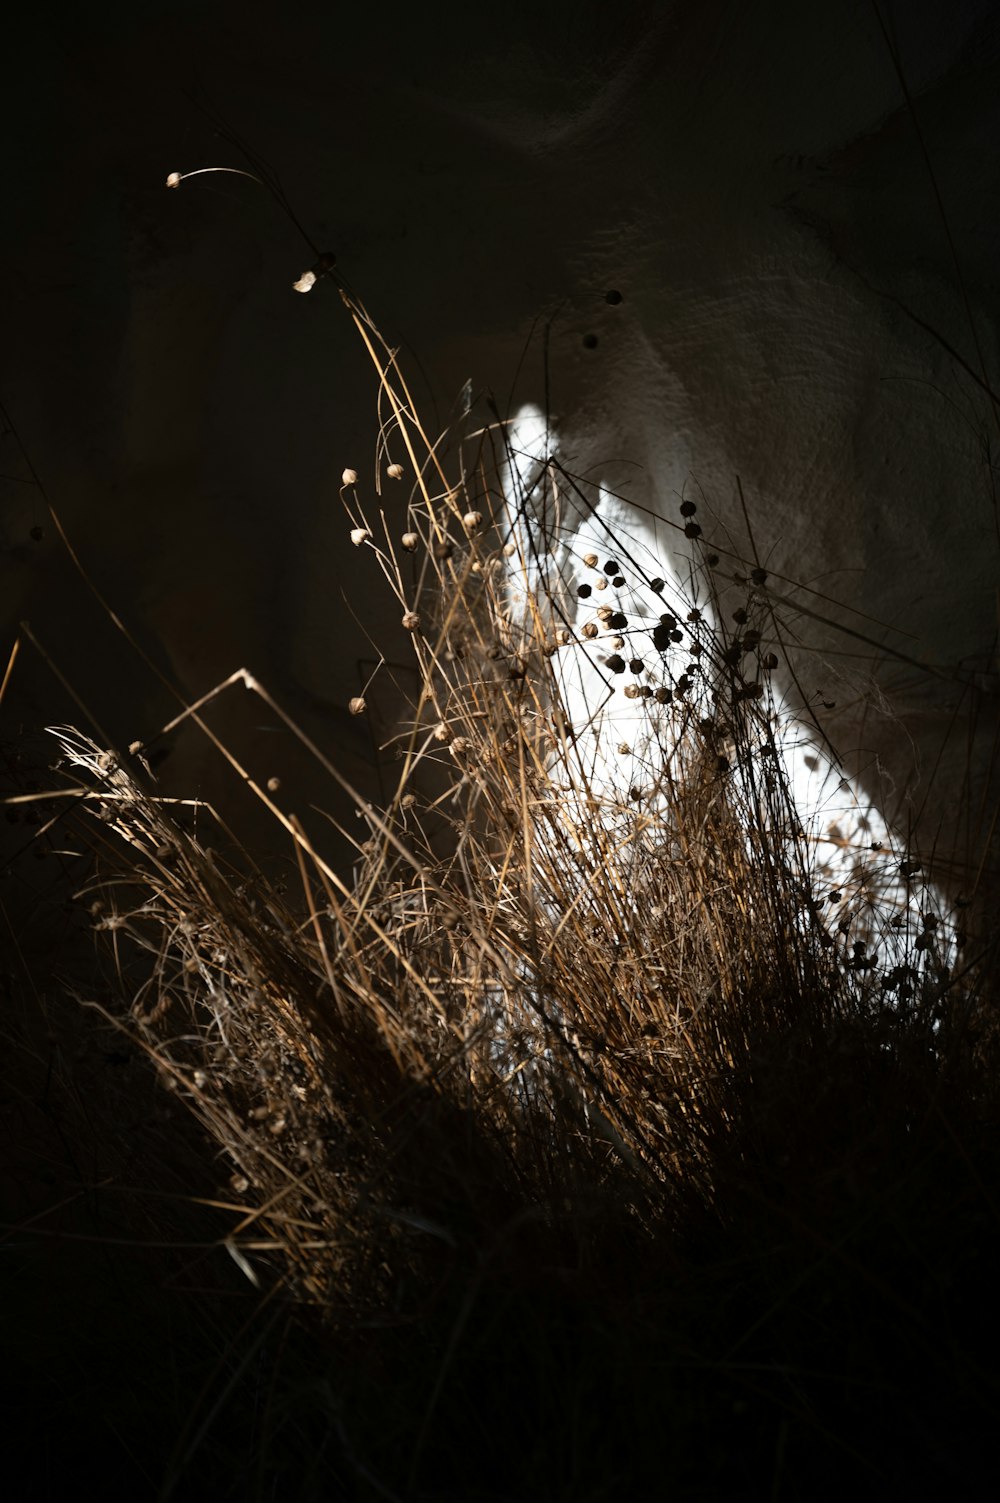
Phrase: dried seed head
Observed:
(360, 535)
(350, 477)
(411, 620)
(624, 750)
(688, 508)
(357, 705)
(408, 800)
(615, 663)
(305, 283)
(590, 560)
(769, 662)
(605, 612)
(443, 548)
(395, 472)
(617, 643)
(692, 530)
(410, 541)
(601, 584)
(174, 180)
(460, 746)
(612, 567)
(273, 784)
(441, 732)
(472, 520)
(631, 691)
(583, 590)
(509, 549)
(590, 630)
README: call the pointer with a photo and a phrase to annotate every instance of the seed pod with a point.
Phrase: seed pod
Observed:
(583, 590)
(410, 541)
(618, 581)
(636, 665)
(692, 530)
(349, 477)
(663, 696)
(509, 549)
(605, 612)
(611, 567)
(408, 800)
(631, 691)
(590, 560)
(441, 732)
(472, 520)
(273, 784)
(395, 472)
(688, 508)
(590, 630)
(770, 661)
(360, 535)
(615, 663)
(411, 620)
(460, 746)
(357, 705)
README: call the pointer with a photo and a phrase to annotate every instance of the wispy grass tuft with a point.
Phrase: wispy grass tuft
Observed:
(603, 1148)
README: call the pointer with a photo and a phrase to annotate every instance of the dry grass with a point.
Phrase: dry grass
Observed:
(579, 1120)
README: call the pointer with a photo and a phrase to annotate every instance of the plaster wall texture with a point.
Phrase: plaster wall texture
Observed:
(749, 177)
